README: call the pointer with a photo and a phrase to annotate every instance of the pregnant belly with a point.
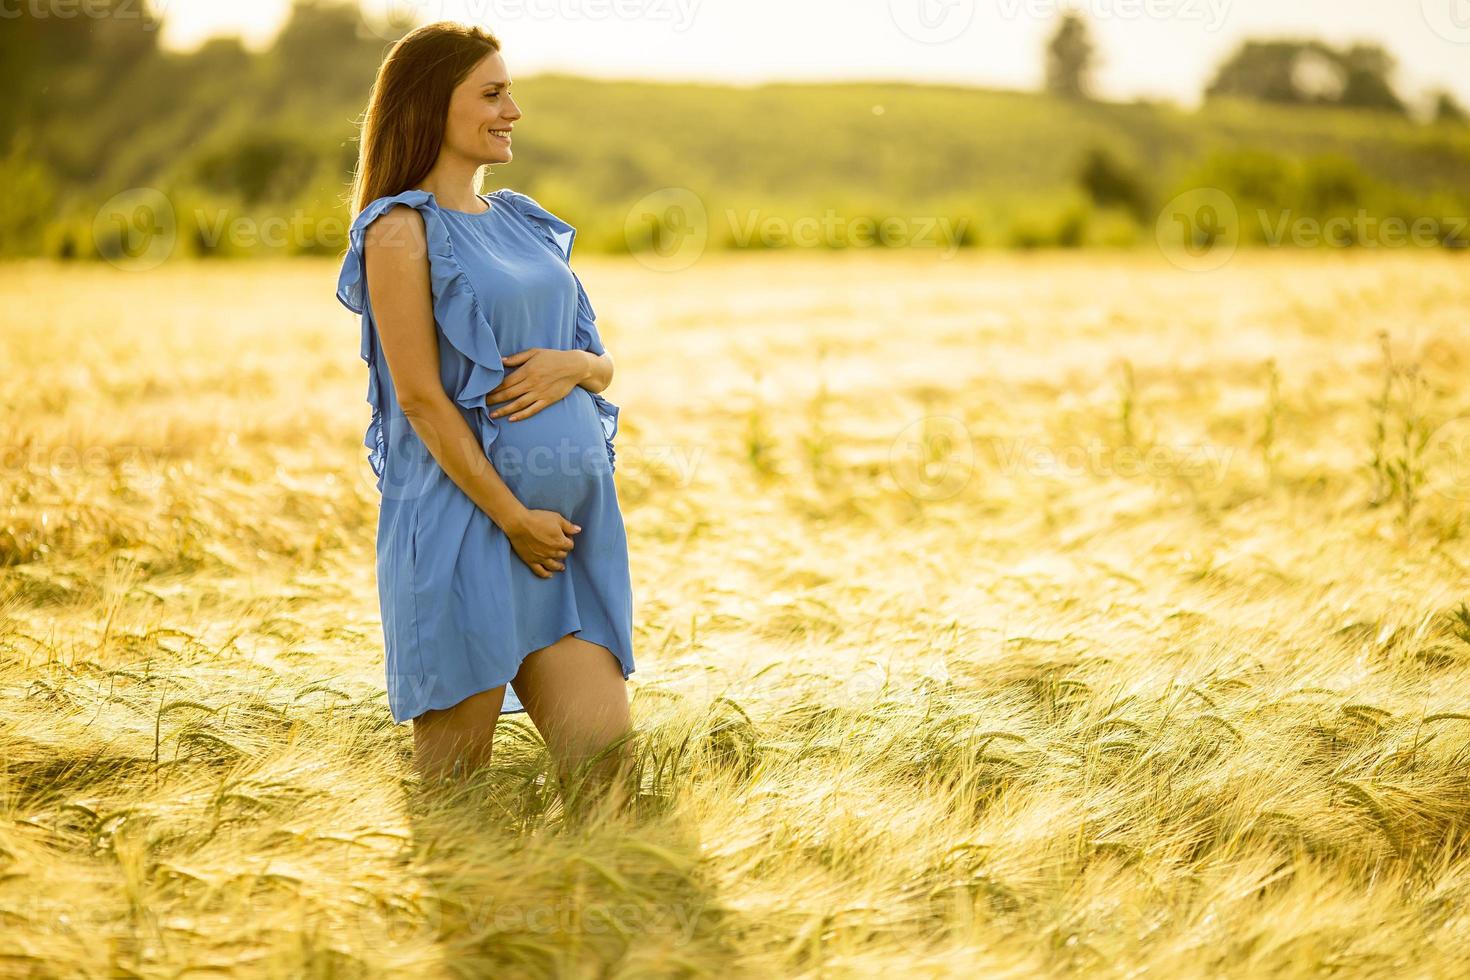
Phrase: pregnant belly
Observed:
(555, 459)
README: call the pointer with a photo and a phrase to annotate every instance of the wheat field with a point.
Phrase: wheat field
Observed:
(996, 615)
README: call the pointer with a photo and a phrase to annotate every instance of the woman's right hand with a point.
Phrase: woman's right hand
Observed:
(542, 538)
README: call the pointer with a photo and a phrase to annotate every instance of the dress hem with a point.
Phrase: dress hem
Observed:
(626, 670)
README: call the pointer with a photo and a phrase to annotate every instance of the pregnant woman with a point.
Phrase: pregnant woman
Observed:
(501, 552)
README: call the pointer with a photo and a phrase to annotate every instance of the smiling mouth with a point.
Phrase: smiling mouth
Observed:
(502, 134)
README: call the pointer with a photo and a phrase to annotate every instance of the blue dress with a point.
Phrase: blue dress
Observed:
(460, 609)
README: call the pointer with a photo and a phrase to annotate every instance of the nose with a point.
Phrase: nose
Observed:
(514, 112)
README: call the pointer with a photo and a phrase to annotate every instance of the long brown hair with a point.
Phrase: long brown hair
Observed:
(403, 126)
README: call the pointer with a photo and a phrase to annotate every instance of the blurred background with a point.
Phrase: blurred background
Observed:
(135, 130)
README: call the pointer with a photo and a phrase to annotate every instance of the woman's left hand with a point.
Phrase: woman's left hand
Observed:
(543, 376)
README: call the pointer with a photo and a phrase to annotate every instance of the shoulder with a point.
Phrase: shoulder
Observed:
(398, 224)
(517, 200)
(557, 230)
(397, 208)
(390, 220)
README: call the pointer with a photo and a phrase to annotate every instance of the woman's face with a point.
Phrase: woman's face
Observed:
(481, 112)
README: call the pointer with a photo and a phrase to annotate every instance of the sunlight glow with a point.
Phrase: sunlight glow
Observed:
(1149, 48)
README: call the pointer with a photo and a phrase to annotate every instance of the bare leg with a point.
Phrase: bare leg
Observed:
(575, 693)
(455, 741)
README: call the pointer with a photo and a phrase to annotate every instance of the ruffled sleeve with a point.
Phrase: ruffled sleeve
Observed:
(587, 336)
(560, 235)
(457, 312)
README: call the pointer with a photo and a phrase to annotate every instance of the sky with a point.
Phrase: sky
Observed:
(1165, 49)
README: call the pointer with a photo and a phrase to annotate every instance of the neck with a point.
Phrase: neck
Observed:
(454, 186)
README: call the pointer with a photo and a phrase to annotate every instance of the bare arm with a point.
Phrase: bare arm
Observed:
(543, 375)
(599, 371)
(396, 251)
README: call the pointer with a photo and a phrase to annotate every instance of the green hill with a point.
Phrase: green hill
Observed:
(254, 153)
